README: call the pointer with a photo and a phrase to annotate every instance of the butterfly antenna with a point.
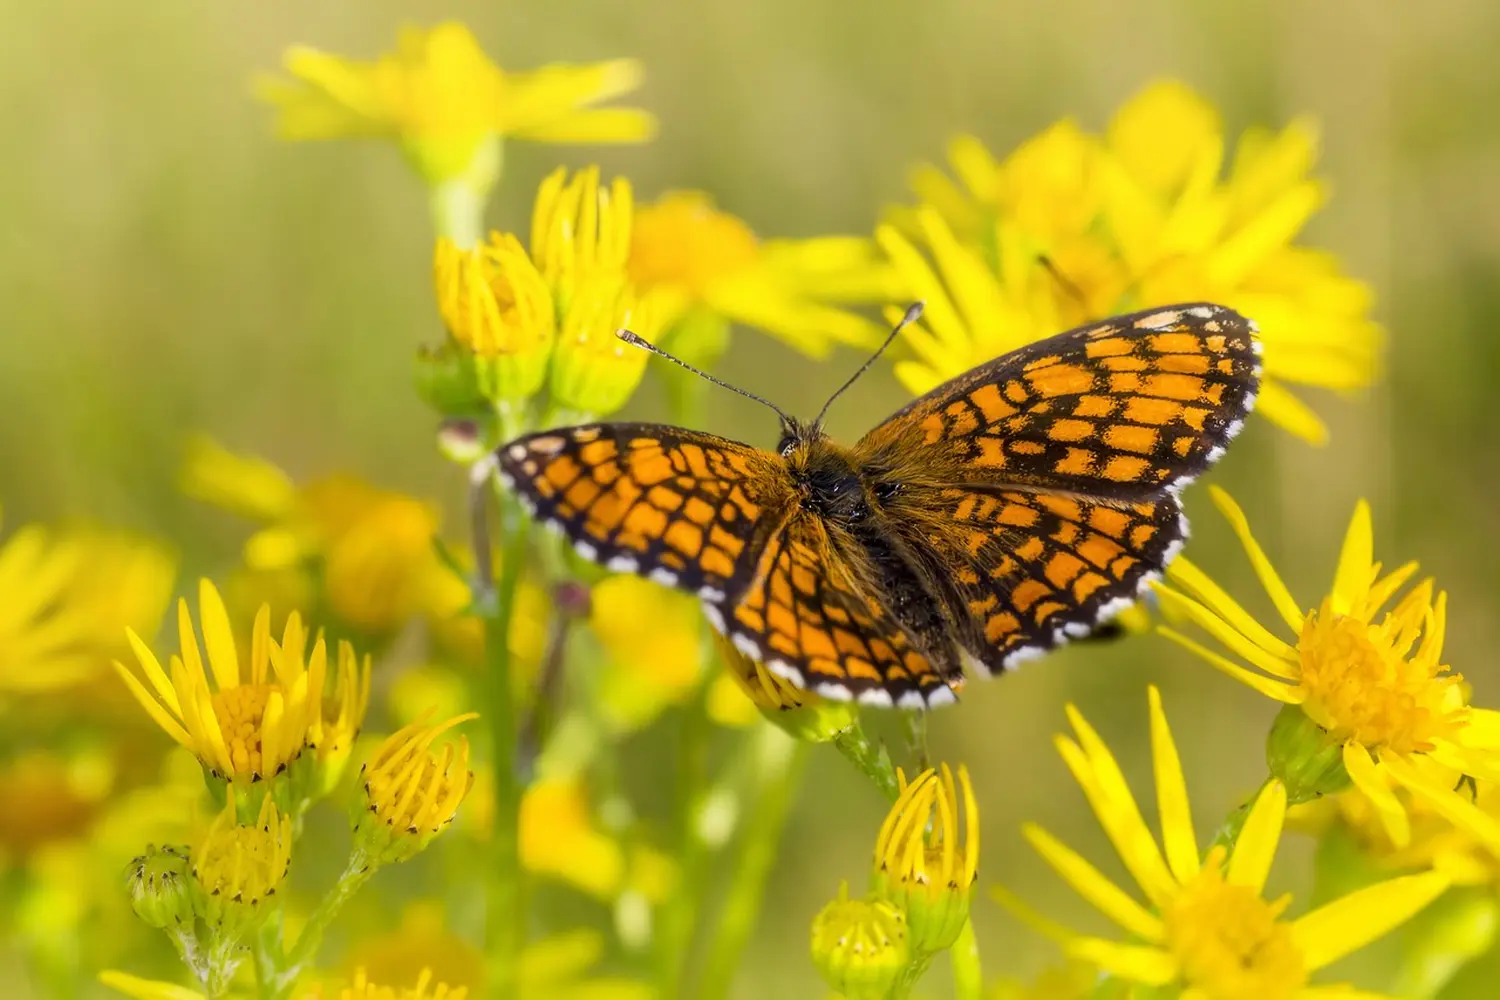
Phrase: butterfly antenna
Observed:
(913, 313)
(637, 340)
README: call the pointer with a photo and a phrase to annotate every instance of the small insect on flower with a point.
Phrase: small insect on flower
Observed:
(1017, 506)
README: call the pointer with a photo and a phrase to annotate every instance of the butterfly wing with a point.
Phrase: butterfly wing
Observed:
(1023, 571)
(1039, 492)
(809, 617)
(685, 509)
(1120, 410)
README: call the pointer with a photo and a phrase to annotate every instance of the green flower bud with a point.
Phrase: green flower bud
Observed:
(161, 891)
(860, 946)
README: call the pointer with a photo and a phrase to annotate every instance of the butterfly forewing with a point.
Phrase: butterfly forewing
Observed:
(1122, 409)
(686, 509)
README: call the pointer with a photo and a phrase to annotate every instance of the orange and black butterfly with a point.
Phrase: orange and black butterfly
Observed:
(1022, 503)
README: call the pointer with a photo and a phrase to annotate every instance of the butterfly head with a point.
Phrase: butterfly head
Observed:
(798, 436)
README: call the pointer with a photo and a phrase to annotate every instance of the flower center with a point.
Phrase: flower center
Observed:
(1230, 944)
(682, 240)
(241, 711)
(1360, 684)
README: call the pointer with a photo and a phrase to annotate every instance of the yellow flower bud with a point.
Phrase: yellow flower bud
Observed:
(239, 868)
(925, 862)
(411, 793)
(860, 946)
(801, 713)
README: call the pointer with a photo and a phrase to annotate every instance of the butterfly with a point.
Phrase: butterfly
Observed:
(1020, 504)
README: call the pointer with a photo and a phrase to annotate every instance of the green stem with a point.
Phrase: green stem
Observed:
(781, 764)
(873, 761)
(963, 958)
(910, 976)
(505, 931)
(277, 970)
(457, 204)
(679, 917)
(1229, 832)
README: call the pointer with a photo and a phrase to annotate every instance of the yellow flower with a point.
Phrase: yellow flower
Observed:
(1205, 927)
(559, 838)
(499, 310)
(442, 98)
(927, 855)
(239, 867)
(1073, 981)
(861, 946)
(1076, 227)
(580, 239)
(411, 793)
(553, 968)
(711, 268)
(259, 712)
(1186, 234)
(1435, 842)
(66, 599)
(372, 548)
(1357, 672)
(972, 314)
(803, 714)
(652, 638)
(361, 988)
(64, 792)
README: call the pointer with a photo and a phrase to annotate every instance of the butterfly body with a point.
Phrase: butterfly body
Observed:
(1016, 506)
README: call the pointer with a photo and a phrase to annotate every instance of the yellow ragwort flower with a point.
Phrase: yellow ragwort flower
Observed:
(927, 855)
(411, 793)
(361, 988)
(66, 599)
(1205, 927)
(1357, 671)
(371, 548)
(972, 313)
(443, 99)
(499, 311)
(712, 271)
(238, 867)
(652, 638)
(253, 719)
(560, 838)
(580, 240)
(1084, 226)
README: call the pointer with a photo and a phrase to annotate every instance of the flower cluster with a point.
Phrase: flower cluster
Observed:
(612, 830)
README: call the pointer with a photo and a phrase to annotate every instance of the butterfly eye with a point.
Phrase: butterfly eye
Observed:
(787, 444)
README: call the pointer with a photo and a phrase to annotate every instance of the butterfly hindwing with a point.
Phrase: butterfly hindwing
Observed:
(1124, 409)
(685, 509)
(1026, 570)
(807, 617)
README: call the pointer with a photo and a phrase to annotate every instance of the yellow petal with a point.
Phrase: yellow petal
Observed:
(1347, 924)
(1449, 803)
(1151, 966)
(153, 708)
(151, 667)
(1268, 686)
(218, 638)
(1283, 668)
(1368, 779)
(1277, 404)
(1286, 605)
(1099, 776)
(1352, 578)
(1261, 835)
(1177, 835)
(1111, 900)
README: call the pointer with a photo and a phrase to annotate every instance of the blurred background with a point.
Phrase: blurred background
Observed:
(168, 267)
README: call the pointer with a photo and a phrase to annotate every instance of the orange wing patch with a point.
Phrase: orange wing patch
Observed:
(684, 509)
(808, 621)
(1122, 410)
